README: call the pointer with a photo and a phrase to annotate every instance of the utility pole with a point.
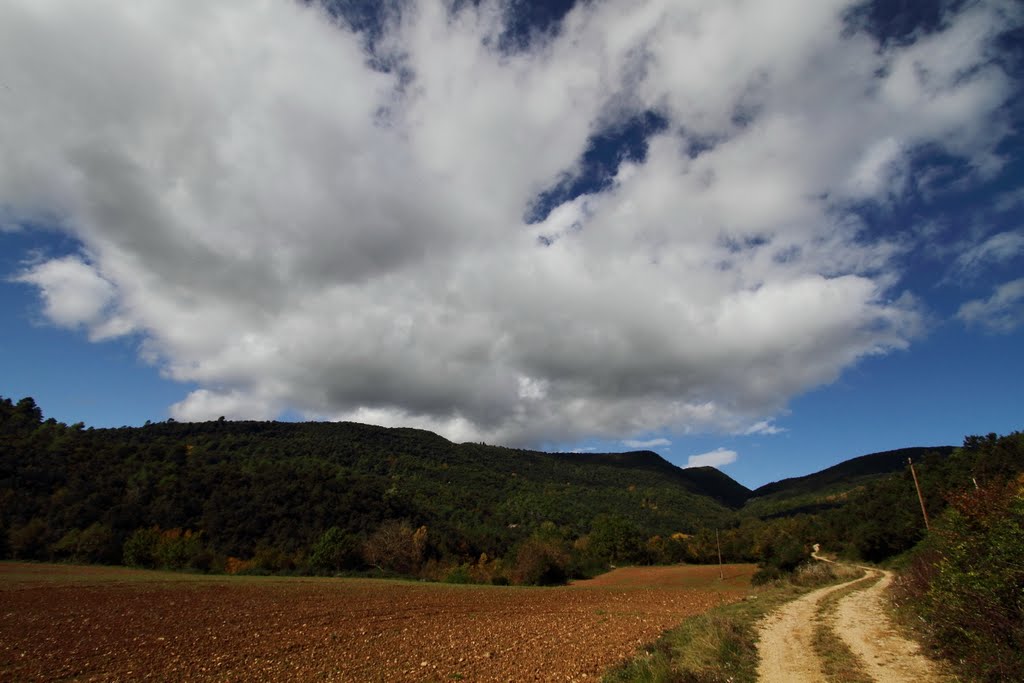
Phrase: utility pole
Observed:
(721, 577)
(920, 498)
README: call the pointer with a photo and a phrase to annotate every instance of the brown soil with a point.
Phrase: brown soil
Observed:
(89, 624)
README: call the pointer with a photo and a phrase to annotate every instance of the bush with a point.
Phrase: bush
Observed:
(781, 557)
(336, 550)
(813, 573)
(167, 549)
(967, 583)
(459, 574)
(140, 548)
(176, 548)
(540, 562)
(93, 544)
(31, 541)
(766, 575)
(395, 547)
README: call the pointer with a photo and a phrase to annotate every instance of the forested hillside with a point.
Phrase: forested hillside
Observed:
(274, 495)
(831, 487)
(327, 497)
(880, 517)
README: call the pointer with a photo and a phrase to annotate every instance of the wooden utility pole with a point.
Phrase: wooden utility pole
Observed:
(721, 577)
(920, 498)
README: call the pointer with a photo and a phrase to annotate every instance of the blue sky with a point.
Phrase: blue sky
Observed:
(768, 239)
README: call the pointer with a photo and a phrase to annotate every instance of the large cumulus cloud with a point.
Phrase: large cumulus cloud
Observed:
(295, 223)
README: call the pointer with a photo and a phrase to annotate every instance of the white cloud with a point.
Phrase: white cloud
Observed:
(716, 458)
(650, 443)
(1002, 312)
(290, 228)
(996, 249)
(763, 427)
(75, 295)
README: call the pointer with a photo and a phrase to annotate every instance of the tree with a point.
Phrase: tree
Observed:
(336, 550)
(540, 562)
(396, 547)
(614, 539)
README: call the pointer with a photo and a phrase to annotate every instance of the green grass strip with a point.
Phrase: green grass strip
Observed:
(719, 646)
(838, 661)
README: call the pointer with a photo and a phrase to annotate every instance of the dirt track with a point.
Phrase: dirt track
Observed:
(88, 624)
(885, 655)
(786, 648)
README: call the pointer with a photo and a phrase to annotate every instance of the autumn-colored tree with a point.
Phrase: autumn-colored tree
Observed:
(541, 560)
(395, 546)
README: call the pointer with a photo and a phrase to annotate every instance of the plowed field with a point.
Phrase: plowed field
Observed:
(103, 624)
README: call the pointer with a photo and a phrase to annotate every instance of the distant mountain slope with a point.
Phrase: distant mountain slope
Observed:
(705, 481)
(829, 487)
(249, 485)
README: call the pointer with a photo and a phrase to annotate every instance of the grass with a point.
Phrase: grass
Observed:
(838, 661)
(719, 646)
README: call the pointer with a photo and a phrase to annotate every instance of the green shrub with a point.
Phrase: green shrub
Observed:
(31, 541)
(140, 548)
(96, 543)
(781, 557)
(459, 574)
(336, 550)
(967, 583)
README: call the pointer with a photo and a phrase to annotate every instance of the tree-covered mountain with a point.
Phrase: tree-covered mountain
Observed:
(278, 496)
(830, 487)
(248, 489)
(875, 517)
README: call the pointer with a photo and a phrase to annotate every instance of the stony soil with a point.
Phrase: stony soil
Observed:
(89, 624)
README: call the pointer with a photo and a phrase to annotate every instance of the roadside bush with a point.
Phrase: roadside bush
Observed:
(781, 558)
(967, 583)
(765, 575)
(813, 573)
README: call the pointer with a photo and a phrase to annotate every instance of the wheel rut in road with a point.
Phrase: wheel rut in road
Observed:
(786, 651)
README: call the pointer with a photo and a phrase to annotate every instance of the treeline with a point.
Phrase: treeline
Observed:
(336, 497)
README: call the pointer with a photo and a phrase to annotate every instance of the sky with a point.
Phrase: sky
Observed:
(765, 237)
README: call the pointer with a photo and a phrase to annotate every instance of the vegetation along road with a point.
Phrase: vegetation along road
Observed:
(789, 645)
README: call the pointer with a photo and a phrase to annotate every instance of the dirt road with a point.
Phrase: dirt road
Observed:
(886, 656)
(786, 645)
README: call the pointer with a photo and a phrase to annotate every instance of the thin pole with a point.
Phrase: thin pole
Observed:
(721, 577)
(920, 498)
